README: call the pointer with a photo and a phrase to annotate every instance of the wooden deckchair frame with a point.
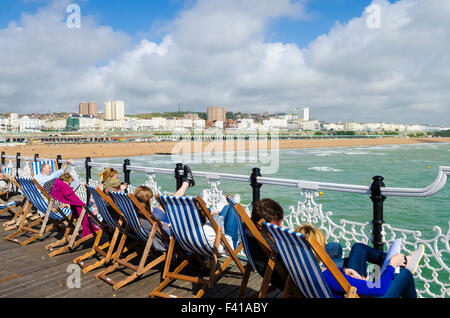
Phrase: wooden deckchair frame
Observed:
(350, 291)
(143, 266)
(69, 240)
(104, 251)
(215, 272)
(273, 260)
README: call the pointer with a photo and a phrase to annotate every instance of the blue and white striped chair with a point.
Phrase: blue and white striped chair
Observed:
(7, 172)
(187, 230)
(107, 223)
(297, 254)
(36, 166)
(246, 222)
(131, 208)
(44, 204)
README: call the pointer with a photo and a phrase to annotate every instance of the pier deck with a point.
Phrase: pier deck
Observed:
(28, 272)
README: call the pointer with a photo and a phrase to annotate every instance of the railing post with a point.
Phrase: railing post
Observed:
(126, 172)
(256, 187)
(377, 222)
(58, 164)
(17, 163)
(36, 157)
(179, 173)
(88, 170)
(3, 158)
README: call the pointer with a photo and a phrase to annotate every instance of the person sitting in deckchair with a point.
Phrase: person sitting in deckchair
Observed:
(63, 193)
(109, 180)
(389, 284)
(47, 175)
(3, 180)
(273, 213)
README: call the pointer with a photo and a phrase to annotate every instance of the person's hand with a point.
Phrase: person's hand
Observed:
(352, 273)
(397, 260)
(69, 161)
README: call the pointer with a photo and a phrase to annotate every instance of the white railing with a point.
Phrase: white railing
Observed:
(432, 276)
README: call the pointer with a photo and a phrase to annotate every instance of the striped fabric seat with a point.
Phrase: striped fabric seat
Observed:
(186, 224)
(125, 205)
(37, 165)
(299, 259)
(242, 234)
(34, 195)
(7, 171)
(102, 207)
(9, 204)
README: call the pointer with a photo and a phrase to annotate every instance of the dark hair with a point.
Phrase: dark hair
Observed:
(267, 209)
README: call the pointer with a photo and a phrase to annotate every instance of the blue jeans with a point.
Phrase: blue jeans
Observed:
(403, 283)
(230, 220)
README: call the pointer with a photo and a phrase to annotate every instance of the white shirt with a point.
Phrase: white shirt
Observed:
(211, 237)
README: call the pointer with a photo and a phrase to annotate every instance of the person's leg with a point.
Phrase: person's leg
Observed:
(230, 223)
(87, 226)
(360, 254)
(402, 286)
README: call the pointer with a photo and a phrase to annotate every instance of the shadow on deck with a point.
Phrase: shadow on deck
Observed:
(28, 272)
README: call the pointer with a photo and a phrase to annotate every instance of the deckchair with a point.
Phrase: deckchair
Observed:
(108, 225)
(304, 271)
(272, 256)
(187, 230)
(45, 205)
(131, 209)
(36, 166)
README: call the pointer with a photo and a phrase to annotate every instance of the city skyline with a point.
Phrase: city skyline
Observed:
(339, 59)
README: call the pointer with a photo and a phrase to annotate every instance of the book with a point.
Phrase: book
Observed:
(395, 248)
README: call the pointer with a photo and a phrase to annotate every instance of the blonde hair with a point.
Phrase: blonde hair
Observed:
(144, 194)
(307, 230)
(66, 177)
(107, 173)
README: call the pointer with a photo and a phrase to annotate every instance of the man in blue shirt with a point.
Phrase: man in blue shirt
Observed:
(47, 175)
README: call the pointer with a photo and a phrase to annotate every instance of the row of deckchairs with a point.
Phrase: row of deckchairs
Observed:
(126, 239)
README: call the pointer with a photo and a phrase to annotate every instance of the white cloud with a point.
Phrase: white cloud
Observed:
(216, 53)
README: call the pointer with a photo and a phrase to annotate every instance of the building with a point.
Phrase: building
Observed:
(303, 114)
(216, 114)
(88, 108)
(114, 110)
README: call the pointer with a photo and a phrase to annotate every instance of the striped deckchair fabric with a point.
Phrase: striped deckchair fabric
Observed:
(297, 254)
(39, 202)
(5, 205)
(129, 207)
(126, 206)
(37, 165)
(108, 224)
(186, 224)
(188, 233)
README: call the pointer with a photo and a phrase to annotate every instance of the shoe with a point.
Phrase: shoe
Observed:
(188, 177)
(416, 256)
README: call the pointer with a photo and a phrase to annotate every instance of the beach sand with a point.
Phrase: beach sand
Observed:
(78, 151)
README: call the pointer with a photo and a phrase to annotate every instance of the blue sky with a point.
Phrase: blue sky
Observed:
(147, 18)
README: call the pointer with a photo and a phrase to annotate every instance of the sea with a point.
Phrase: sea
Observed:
(402, 166)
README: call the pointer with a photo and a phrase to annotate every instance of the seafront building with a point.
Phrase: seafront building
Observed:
(114, 119)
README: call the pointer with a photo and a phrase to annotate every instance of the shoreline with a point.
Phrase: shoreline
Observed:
(78, 151)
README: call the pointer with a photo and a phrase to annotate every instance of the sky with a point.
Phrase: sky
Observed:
(363, 61)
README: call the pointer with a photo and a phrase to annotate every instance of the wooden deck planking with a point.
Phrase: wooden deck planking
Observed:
(28, 272)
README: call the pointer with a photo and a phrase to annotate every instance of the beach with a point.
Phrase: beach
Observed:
(102, 150)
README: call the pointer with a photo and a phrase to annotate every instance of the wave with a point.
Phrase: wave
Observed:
(325, 169)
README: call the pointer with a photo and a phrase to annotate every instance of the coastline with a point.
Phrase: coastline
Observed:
(78, 151)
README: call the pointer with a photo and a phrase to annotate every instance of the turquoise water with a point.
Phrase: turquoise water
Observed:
(405, 166)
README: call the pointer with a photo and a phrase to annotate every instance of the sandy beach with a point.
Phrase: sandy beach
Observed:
(78, 151)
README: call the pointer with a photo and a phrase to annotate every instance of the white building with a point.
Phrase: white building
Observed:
(55, 125)
(310, 125)
(303, 114)
(275, 123)
(30, 124)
